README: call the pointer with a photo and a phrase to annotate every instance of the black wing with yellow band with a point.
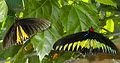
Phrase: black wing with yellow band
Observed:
(86, 42)
(23, 29)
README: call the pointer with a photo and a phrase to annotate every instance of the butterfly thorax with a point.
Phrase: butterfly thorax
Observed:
(91, 29)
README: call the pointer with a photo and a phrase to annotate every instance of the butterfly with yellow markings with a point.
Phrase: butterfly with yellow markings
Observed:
(24, 29)
(88, 42)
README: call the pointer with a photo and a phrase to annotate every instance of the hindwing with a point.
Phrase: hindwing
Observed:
(86, 42)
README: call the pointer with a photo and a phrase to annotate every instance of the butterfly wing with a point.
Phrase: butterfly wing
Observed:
(67, 43)
(31, 28)
(9, 38)
(24, 29)
(105, 45)
(86, 43)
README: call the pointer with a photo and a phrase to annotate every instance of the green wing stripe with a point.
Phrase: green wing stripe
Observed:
(78, 45)
(93, 44)
(83, 43)
(74, 45)
(88, 43)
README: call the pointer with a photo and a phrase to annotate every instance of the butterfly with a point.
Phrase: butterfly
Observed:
(87, 42)
(24, 29)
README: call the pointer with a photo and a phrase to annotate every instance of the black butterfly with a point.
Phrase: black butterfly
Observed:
(24, 29)
(87, 42)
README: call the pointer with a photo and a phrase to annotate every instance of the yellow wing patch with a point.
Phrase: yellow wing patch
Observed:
(69, 46)
(18, 37)
(57, 47)
(60, 48)
(65, 46)
(24, 35)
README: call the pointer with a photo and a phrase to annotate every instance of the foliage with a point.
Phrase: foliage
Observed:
(67, 17)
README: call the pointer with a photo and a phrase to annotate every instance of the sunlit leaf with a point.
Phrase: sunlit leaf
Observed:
(109, 26)
(85, 1)
(108, 2)
(3, 10)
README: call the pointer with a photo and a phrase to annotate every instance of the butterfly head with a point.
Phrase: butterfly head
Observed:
(91, 29)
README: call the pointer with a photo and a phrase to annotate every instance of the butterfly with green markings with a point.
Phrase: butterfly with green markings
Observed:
(24, 29)
(88, 42)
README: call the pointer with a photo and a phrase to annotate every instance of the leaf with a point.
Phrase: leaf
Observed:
(20, 56)
(85, 1)
(42, 45)
(109, 26)
(14, 6)
(107, 2)
(63, 57)
(33, 59)
(36, 8)
(79, 17)
(3, 10)
(4, 54)
(43, 41)
(6, 24)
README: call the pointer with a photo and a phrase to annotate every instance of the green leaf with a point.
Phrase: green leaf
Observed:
(4, 54)
(3, 10)
(109, 26)
(108, 2)
(34, 8)
(6, 24)
(42, 43)
(85, 1)
(33, 59)
(14, 6)
(79, 17)
(20, 56)
(63, 57)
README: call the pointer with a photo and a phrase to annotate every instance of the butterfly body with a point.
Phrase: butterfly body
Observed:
(88, 42)
(24, 29)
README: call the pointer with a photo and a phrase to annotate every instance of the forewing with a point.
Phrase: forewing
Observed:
(30, 26)
(9, 38)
